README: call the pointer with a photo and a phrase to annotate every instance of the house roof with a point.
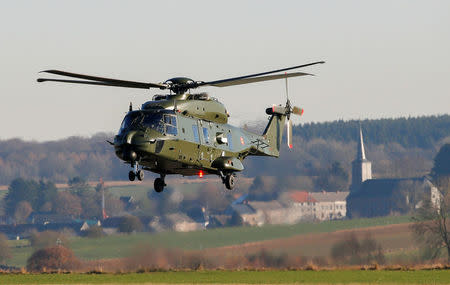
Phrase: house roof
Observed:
(383, 187)
(329, 196)
(243, 209)
(301, 197)
(240, 199)
(266, 206)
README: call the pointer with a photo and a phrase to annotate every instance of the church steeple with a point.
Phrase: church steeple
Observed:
(361, 167)
(361, 154)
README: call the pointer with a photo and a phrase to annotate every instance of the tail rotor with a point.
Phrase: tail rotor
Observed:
(289, 109)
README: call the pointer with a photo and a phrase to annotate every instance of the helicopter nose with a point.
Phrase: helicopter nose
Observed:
(129, 154)
(129, 137)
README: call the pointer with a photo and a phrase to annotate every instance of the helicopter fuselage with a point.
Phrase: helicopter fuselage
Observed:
(170, 136)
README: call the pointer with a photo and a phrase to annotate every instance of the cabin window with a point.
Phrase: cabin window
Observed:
(195, 131)
(206, 135)
(170, 122)
(230, 141)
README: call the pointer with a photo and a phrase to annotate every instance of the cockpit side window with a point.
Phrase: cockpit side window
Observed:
(170, 122)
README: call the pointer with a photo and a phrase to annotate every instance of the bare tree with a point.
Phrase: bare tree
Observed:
(432, 220)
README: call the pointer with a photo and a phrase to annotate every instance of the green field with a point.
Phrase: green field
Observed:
(122, 245)
(240, 277)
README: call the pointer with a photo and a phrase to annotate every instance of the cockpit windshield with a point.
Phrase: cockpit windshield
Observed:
(140, 119)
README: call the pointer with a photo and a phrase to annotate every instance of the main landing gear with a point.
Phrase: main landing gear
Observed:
(229, 180)
(159, 183)
(135, 173)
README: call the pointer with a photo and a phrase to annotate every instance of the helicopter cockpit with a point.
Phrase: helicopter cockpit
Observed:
(165, 123)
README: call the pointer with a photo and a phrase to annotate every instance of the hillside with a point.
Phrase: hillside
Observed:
(421, 132)
(410, 142)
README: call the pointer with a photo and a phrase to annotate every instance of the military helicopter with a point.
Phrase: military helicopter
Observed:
(188, 133)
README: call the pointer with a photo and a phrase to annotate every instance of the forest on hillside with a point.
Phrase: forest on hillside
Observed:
(397, 148)
(413, 132)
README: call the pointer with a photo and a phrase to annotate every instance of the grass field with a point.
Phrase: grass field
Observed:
(240, 277)
(122, 245)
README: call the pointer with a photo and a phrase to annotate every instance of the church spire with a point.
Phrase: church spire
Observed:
(361, 167)
(361, 154)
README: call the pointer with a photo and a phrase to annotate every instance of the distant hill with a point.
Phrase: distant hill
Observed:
(422, 132)
(316, 146)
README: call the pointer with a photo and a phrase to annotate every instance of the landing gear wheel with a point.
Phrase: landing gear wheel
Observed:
(140, 175)
(230, 180)
(159, 185)
(131, 175)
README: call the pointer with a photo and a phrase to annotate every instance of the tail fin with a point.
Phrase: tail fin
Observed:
(274, 133)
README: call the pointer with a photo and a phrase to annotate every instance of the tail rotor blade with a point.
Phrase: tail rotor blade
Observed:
(298, 111)
(289, 133)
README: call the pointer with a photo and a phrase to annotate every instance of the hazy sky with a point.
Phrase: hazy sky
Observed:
(384, 58)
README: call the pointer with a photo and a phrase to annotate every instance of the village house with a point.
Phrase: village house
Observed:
(309, 206)
(294, 207)
(330, 205)
(182, 223)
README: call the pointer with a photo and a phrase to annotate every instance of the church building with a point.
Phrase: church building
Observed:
(371, 197)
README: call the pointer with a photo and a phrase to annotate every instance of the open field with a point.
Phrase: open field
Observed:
(227, 239)
(240, 277)
(392, 238)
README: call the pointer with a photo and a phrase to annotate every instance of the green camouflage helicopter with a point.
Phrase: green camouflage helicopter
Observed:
(188, 134)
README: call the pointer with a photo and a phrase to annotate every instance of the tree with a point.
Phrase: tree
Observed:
(67, 204)
(263, 188)
(5, 250)
(47, 195)
(333, 179)
(91, 203)
(53, 258)
(432, 221)
(21, 190)
(129, 224)
(77, 182)
(23, 210)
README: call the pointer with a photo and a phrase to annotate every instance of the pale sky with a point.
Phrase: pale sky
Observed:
(384, 58)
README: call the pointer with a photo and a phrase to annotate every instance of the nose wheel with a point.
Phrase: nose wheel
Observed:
(136, 173)
(159, 184)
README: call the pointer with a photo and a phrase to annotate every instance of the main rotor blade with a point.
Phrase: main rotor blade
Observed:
(219, 82)
(257, 79)
(86, 82)
(113, 82)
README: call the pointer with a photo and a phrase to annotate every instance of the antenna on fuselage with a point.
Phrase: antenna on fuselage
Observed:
(131, 107)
